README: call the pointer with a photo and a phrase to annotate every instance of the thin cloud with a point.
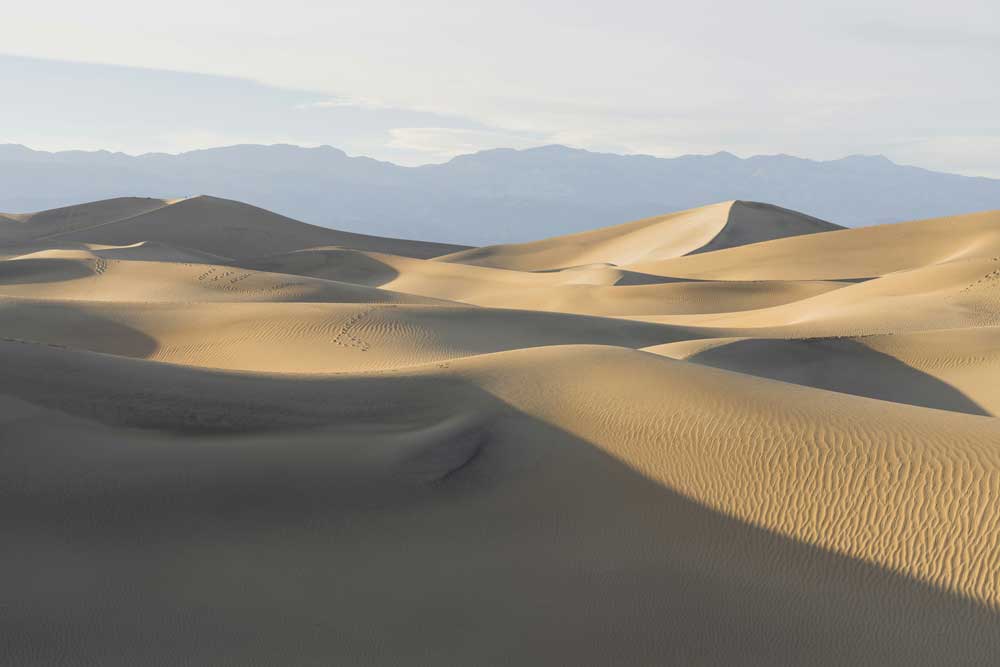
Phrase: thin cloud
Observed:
(346, 102)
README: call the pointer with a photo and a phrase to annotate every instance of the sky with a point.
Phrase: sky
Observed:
(415, 83)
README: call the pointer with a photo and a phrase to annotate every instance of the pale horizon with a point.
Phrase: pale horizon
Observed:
(912, 81)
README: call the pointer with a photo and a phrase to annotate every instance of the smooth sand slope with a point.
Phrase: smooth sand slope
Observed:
(227, 438)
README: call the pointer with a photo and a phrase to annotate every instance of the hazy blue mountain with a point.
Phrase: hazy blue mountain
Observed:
(493, 196)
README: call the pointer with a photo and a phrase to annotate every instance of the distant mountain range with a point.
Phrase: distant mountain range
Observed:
(493, 196)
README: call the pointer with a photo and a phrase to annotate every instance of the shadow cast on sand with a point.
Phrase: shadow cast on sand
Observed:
(316, 546)
(632, 278)
(841, 365)
(43, 322)
(42, 270)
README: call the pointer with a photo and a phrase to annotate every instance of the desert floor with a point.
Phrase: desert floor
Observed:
(730, 435)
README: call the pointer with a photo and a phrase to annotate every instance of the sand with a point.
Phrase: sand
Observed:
(730, 435)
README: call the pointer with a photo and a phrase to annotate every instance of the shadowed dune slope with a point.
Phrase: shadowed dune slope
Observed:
(951, 369)
(694, 231)
(24, 227)
(219, 226)
(719, 436)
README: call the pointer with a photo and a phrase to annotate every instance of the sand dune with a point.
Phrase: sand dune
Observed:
(310, 337)
(86, 275)
(209, 224)
(694, 231)
(594, 289)
(60, 221)
(854, 253)
(230, 438)
(948, 369)
(956, 294)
